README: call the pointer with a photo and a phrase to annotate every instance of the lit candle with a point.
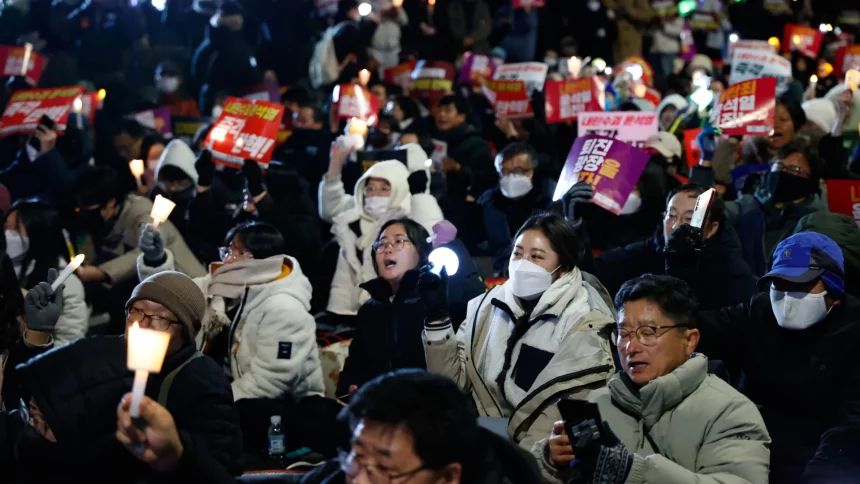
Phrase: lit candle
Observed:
(136, 167)
(574, 66)
(364, 77)
(813, 80)
(161, 209)
(774, 42)
(639, 90)
(101, 96)
(79, 109)
(28, 51)
(431, 2)
(852, 78)
(795, 39)
(72, 267)
(357, 126)
(146, 350)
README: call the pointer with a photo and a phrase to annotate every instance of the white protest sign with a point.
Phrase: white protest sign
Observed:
(759, 45)
(533, 74)
(633, 128)
(755, 64)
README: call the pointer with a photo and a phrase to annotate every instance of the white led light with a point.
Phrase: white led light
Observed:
(444, 257)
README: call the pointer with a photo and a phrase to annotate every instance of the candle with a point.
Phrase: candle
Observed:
(69, 269)
(364, 77)
(79, 108)
(146, 350)
(774, 42)
(28, 51)
(136, 167)
(852, 78)
(574, 66)
(161, 209)
(813, 80)
(357, 126)
(639, 90)
(431, 2)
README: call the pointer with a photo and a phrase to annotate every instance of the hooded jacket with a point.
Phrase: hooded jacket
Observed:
(562, 353)
(272, 339)
(687, 426)
(678, 101)
(477, 173)
(355, 230)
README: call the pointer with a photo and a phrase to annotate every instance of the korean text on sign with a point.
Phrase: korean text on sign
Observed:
(12, 59)
(566, 99)
(843, 196)
(806, 40)
(754, 64)
(354, 101)
(630, 127)
(533, 74)
(847, 57)
(26, 108)
(746, 108)
(508, 98)
(246, 129)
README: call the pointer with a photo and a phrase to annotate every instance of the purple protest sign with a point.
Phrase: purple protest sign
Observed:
(475, 66)
(688, 46)
(609, 165)
(157, 119)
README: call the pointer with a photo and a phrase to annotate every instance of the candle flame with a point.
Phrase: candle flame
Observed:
(136, 167)
(364, 77)
(102, 94)
(79, 105)
(77, 261)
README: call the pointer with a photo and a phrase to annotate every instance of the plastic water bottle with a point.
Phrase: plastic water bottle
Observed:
(277, 444)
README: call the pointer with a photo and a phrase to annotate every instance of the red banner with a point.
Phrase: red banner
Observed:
(529, 3)
(432, 79)
(806, 40)
(12, 59)
(400, 75)
(746, 108)
(509, 98)
(247, 128)
(354, 101)
(566, 99)
(843, 196)
(691, 146)
(25, 108)
(847, 57)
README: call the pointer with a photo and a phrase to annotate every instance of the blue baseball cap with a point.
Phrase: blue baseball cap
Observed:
(807, 256)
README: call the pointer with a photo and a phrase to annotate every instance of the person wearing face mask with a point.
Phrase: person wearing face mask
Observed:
(169, 83)
(514, 200)
(796, 347)
(386, 191)
(533, 338)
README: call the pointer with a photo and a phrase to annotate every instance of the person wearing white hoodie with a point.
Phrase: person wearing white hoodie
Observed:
(668, 110)
(257, 323)
(385, 192)
(385, 43)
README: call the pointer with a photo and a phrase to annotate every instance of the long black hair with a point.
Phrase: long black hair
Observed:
(47, 244)
(561, 235)
(11, 300)
(416, 233)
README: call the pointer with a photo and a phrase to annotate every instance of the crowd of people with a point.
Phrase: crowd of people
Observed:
(567, 343)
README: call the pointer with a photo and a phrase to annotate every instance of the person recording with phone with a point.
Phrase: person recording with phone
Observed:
(662, 418)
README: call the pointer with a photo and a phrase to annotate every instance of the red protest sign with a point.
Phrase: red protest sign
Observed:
(25, 108)
(746, 108)
(691, 146)
(509, 98)
(247, 128)
(843, 196)
(400, 75)
(847, 57)
(354, 101)
(566, 99)
(806, 40)
(633, 65)
(529, 3)
(12, 59)
(432, 79)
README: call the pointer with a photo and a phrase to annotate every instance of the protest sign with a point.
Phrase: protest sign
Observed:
(566, 99)
(665, 9)
(633, 128)
(634, 65)
(354, 101)
(704, 21)
(157, 119)
(508, 98)
(843, 196)
(746, 108)
(610, 166)
(754, 64)
(803, 39)
(758, 45)
(400, 75)
(186, 127)
(13, 58)
(432, 79)
(370, 158)
(440, 152)
(245, 129)
(25, 108)
(741, 174)
(691, 146)
(688, 44)
(847, 57)
(533, 74)
(475, 66)
(529, 3)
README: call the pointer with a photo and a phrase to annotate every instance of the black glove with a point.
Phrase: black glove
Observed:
(683, 248)
(418, 182)
(433, 290)
(205, 169)
(152, 245)
(254, 175)
(606, 461)
(580, 192)
(43, 306)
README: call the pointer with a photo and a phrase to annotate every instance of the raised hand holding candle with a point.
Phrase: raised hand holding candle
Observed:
(136, 167)
(72, 267)
(146, 350)
(161, 209)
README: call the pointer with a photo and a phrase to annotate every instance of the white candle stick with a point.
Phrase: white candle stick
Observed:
(161, 209)
(79, 108)
(28, 51)
(72, 267)
(136, 167)
(137, 390)
(146, 350)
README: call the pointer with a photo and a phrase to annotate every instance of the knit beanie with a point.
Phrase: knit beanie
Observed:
(176, 292)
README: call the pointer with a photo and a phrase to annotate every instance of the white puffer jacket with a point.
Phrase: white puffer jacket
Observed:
(273, 344)
(341, 210)
(74, 321)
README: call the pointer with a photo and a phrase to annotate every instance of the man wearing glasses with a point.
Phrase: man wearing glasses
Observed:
(664, 418)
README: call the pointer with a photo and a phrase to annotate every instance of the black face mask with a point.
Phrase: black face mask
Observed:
(182, 197)
(785, 187)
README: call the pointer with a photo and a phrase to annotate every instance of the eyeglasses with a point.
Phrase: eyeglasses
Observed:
(352, 467)
(227, 252)
(516, 171)
(156, 322)
(794, 170)
(397, 245)
(646, 335)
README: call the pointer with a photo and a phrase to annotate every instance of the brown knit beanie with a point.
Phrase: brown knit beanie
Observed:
(176, 292)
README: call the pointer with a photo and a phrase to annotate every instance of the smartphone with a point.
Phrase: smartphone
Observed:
(703, 206)
(46, 122)
(582, 422)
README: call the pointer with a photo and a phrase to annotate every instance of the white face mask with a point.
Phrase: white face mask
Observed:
(376, 206)
(17, 246)
(632, 204)
(167, 85)
(593, 5)
(797, 310)
(515, 186)
(550, 61)
(529, 280)
(216, 111)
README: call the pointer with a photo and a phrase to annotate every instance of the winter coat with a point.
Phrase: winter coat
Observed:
(272, 343)
(721, 279)
(471, 151)
(74, 321)
(843, 230)
(632, 16)
(385, 43)
(355, 230)
(804, 382)
(667, 37)
(222, 62)
(479, 30)
(687, 426)
(48, 178)
(203, 218)
(520, 43)
(307, 152)
(562, 352)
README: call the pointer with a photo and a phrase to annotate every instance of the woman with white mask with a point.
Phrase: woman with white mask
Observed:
(537, 336)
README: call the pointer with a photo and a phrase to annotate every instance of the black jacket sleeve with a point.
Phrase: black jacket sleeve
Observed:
(720, 331)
